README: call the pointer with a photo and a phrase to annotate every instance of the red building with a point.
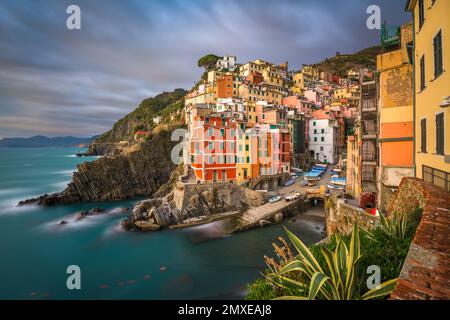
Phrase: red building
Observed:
(213, 148)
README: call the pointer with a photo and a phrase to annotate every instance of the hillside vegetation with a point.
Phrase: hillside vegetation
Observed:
(341, 63)
(141, 118)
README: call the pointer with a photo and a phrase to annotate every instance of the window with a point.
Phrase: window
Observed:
(421, 13)
(323, 131)
(322, 139)
(321, 148)
(437, 44)
(315, 139)
(423, 135)
(422, 73)
(315, 130)
(440, 133)
(314, 123)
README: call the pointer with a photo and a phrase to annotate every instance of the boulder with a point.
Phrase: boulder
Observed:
(278, 217)
(146, 225)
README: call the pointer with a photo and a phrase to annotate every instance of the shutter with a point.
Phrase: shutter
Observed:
(422, 73)
(423, 136)
(435, 58)
(440, 133)
(439, 44)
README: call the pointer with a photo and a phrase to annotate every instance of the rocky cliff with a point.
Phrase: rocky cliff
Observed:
(125, 175)
(166, 107)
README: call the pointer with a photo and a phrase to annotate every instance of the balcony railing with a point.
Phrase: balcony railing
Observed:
(437, 177)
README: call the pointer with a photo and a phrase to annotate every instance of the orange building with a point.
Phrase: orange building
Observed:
(213, 148)
(225, 87)
(395, 116)
(255, 78)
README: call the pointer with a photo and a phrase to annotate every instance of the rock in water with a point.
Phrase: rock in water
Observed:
(146, 226)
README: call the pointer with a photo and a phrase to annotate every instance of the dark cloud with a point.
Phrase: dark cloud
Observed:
(56, 82)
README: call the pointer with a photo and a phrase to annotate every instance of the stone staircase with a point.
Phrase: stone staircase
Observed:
(253, 216)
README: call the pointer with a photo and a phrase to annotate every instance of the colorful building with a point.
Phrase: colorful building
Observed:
(395, 113)
(213, 148)
(225, 86)
(353, 183)
(431, 56)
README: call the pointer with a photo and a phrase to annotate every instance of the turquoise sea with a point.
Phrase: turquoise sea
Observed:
(35, 250)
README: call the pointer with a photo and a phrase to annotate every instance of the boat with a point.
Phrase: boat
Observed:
(335, 187)
(336, 171)
(290, 182)
(313, 176)
(297, 170)
(338, 181)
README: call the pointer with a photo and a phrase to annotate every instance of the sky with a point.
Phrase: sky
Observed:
(58, 82)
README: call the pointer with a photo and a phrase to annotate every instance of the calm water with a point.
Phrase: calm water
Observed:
(35, 250)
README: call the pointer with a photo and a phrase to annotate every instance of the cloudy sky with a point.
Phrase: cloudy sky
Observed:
(54, 81)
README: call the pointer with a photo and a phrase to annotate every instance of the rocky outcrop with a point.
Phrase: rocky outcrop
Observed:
(191, 203)
(102, 149)
(117, 177)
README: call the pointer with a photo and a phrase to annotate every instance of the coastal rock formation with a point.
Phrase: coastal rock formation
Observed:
(101, 149)
(121, 176)
(191, 203)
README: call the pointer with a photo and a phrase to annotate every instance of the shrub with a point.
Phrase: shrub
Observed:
(377, 247)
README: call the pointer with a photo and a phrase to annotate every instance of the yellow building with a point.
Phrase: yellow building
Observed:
(431, 89)
(243, 164)
(299, 84)
(353, 184)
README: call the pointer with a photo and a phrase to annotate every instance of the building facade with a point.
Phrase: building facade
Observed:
(395, 113)
(324, 140)
(431, 90)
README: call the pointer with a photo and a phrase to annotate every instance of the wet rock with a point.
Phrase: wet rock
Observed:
(146, 226)
(62, 222)
(278, 217)
(162, 269)
(86, 213)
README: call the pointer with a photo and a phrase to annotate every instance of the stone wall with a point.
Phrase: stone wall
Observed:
(232, 194)
(426, 271)
(411, 195)
(341, 216)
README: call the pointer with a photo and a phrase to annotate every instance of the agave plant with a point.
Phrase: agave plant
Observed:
(336, 283)
(395, 226)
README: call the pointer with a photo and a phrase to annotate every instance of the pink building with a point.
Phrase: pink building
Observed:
(303, 106)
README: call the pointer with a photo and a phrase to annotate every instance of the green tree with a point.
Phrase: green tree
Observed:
(208, 61)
